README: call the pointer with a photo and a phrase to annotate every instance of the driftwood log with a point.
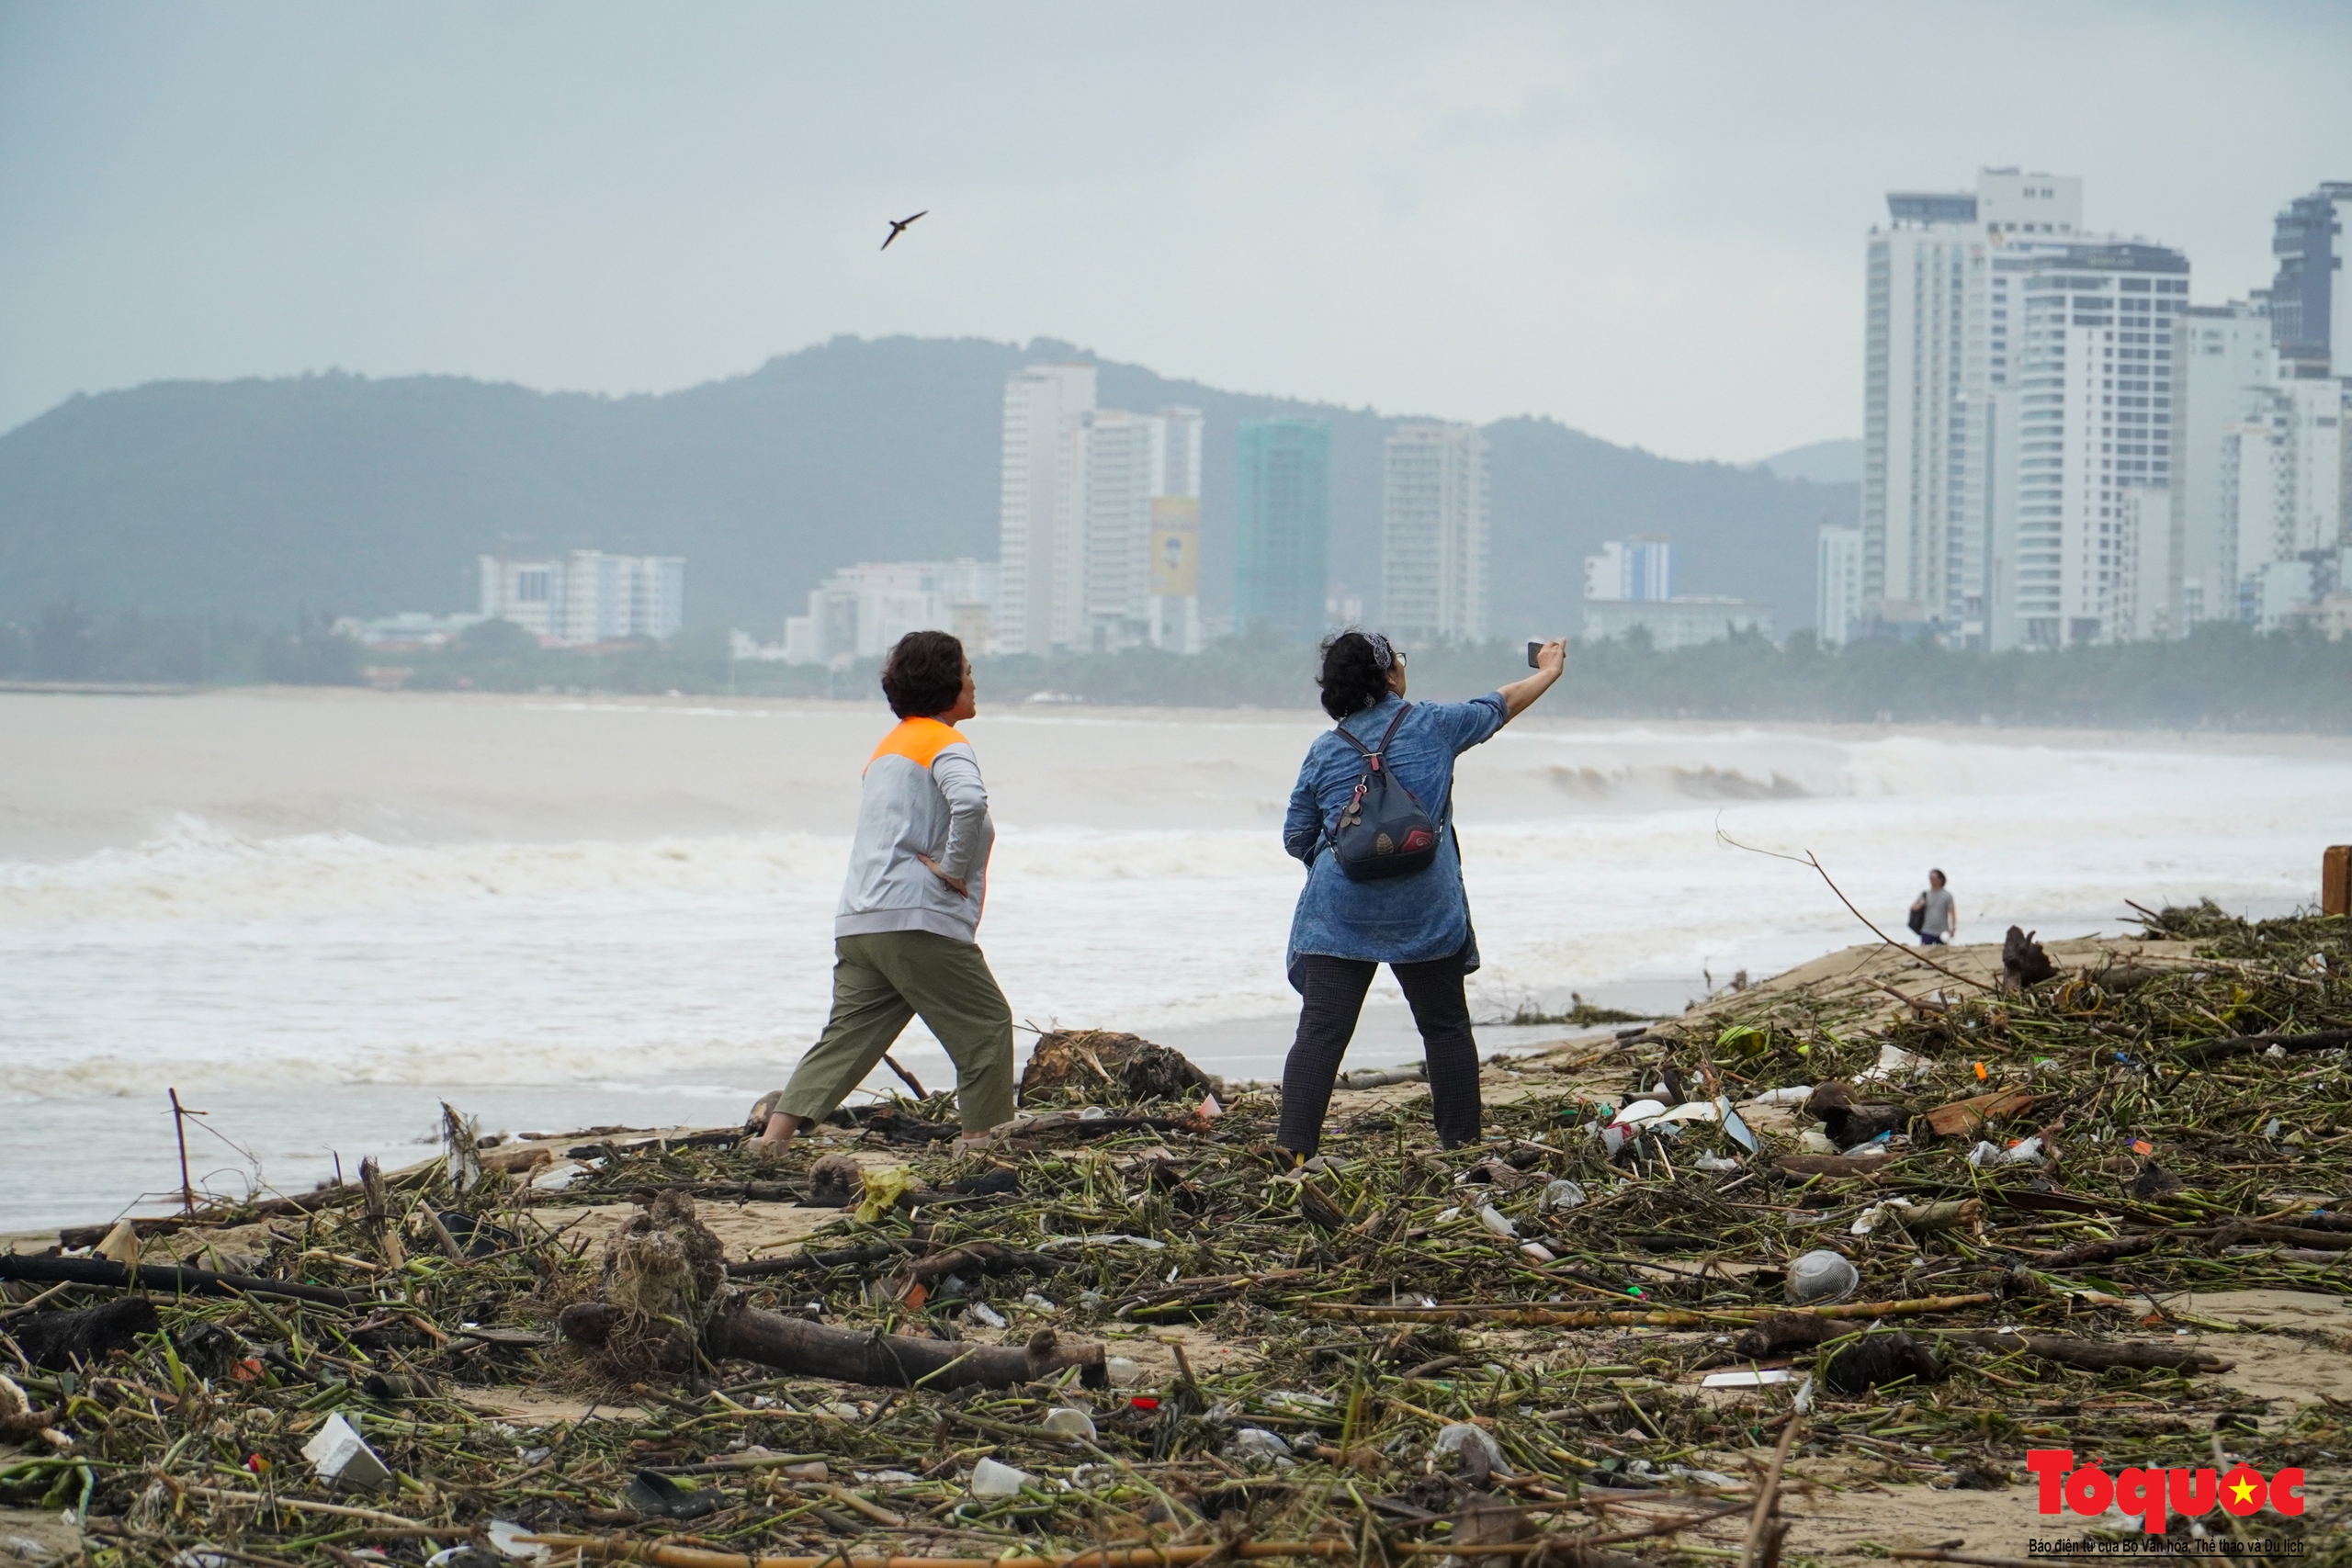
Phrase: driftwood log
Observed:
(737, 1330)
(2240, 1233)
(2098, 1355)
(2099, 1251)
(57, 1340)
(661, 1301)
(173, 1278)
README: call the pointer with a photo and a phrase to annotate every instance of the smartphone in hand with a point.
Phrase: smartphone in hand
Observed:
(1533, 650)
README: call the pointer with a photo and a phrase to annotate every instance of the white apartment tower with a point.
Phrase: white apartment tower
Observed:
(2086, 416)
(2225, 368)
(1096, 548)
(1434, 533)
(1938, 343)
(1136, 594)
(1838, 584)
(1041, 541)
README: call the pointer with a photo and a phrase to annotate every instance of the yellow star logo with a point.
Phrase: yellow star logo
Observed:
(2243, 1491)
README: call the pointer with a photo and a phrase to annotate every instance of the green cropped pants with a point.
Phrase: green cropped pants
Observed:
(885, 979)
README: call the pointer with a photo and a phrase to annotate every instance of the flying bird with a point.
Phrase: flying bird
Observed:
(898, 227)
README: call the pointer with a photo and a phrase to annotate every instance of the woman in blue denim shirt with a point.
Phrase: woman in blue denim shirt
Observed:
(1418, 924)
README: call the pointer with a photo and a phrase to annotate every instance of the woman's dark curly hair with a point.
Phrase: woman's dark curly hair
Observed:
(924, 674)
(1353, 678)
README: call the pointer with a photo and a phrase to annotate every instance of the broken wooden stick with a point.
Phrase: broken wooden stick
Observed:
(2255, 1045)
(170, 1278)
(1662, 1317)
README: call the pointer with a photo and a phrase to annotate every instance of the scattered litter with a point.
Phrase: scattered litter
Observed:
(885, 1185)
(1467, 1441)
(342, 1457)
(1677, 1263)
(1749, 1379)
(1065, 1422)
(1255, 1443)
(1103, 1238)
(985, 1314)
(990, 1479)
(505, 1538)
(1561, 1194)
(1496, 1220)
(1820, 1277)
(1894, 1062)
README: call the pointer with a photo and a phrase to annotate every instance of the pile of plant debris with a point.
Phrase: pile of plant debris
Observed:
(1791, 1240)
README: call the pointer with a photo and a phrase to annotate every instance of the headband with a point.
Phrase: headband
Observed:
(1383, 656)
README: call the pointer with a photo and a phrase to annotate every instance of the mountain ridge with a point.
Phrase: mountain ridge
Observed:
(333, 493)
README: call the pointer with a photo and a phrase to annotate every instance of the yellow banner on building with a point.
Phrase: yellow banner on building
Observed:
(1175, 547)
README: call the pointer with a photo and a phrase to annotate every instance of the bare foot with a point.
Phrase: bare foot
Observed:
(768, 1146)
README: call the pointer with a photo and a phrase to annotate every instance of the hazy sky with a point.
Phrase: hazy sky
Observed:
(1647, 221)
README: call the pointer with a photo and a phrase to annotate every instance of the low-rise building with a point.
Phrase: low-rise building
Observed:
(1685, 621)
(861, 610)
(587, 596)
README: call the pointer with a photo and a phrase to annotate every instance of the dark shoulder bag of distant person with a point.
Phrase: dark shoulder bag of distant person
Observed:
(1384, 831)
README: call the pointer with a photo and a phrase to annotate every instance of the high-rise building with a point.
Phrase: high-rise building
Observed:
(1041, 507)
(2282, 498)
(1838, 584)
(2086, 414)
(1094, 555)
(1283, 525)
(2310, 298)
(2224, 371)
(587, 596)
(1939, 342)
(1434, 533)
(1142, 554)
(1172, 553)
(2140, 603)
(1118, 484)
(1638, 567)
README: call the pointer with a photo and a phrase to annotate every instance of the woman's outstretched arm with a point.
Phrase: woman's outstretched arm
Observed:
(1520, 695)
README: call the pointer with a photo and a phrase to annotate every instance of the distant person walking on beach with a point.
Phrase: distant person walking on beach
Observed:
(1933, 916)
(1372, 817)
(905, 935)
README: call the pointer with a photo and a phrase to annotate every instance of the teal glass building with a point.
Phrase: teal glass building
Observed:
(1283, 520)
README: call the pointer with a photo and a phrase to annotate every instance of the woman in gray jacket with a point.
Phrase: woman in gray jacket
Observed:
(906, 932)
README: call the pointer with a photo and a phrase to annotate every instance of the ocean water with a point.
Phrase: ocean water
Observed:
(318, 915)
